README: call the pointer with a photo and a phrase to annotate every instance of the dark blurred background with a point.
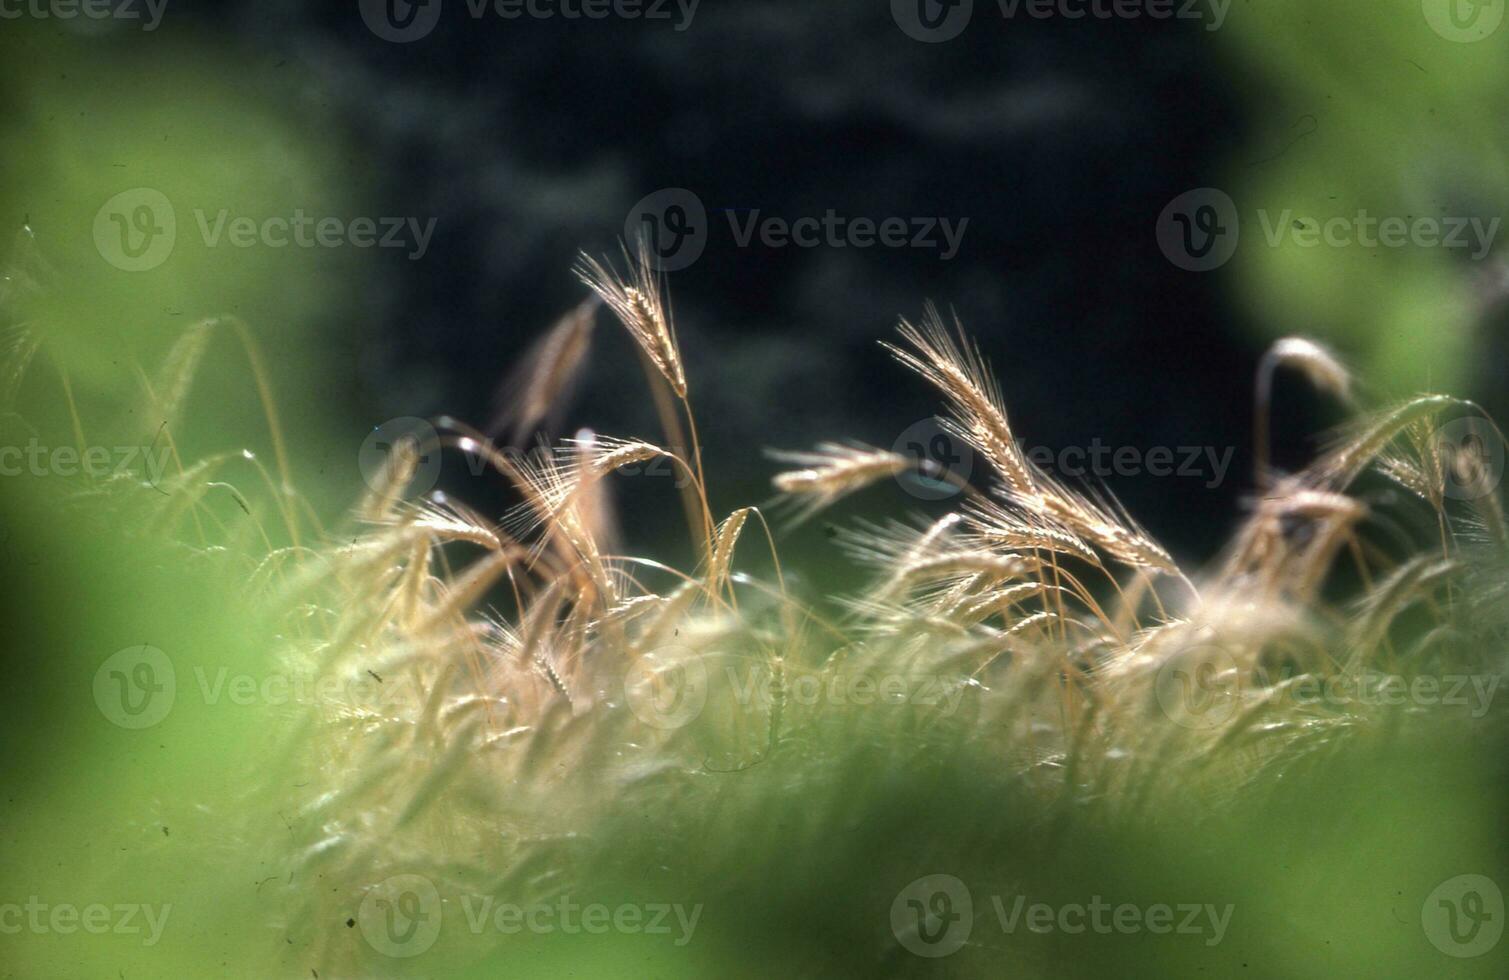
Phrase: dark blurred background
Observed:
(1055, 142)
(1060, 141)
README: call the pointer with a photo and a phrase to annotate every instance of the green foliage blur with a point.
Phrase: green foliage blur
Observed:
(1364, 106)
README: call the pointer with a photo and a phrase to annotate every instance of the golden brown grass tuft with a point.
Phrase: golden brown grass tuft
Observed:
(525, 663)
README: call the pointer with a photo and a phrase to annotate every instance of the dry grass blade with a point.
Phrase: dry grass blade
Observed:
(998, 527)
(635, 298)
(1320, 367)
(1378, 608)
(1352, 454)
(957, 370)
(1001, 601)
(1270, 552)
(463, 590)
(894, 544)
(448, 520)
(987, 564)
(171, 389)
(1419, 468)
(1318, 363)
(833, 471)
(597, 456)
(17, 349)
(594, 504)
(1105, 525)
(543, 381)
(724, 542)
(388, 485)
(25, 274)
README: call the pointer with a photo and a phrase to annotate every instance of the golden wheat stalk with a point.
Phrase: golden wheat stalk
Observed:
(1320, 366)
(958, 371)
(833, 471)
(635, 298)
(548, 373)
